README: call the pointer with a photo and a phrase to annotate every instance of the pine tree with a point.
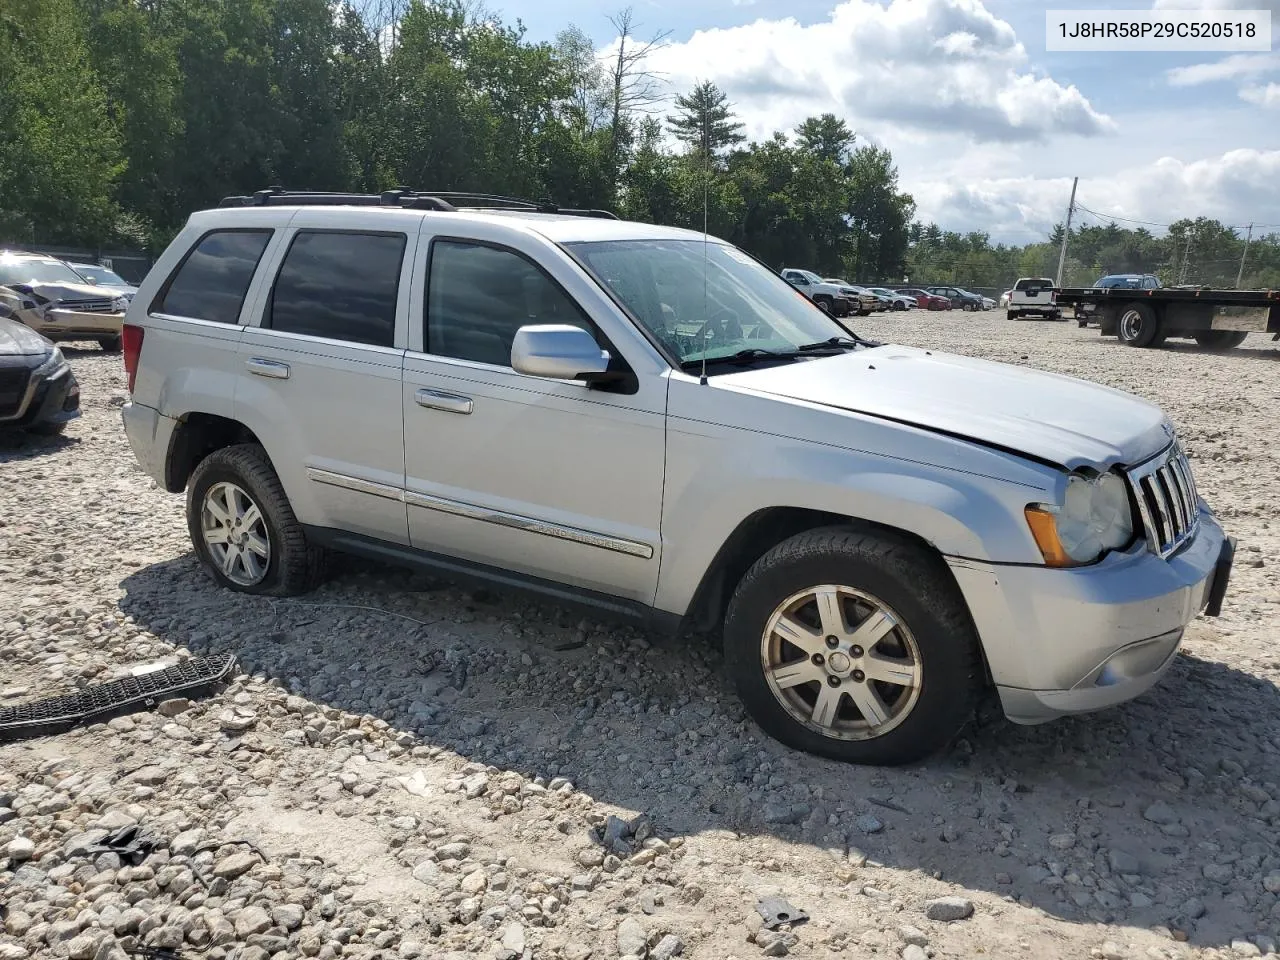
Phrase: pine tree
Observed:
(705, 120)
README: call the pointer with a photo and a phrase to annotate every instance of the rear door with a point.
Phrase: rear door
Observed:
(320, 370)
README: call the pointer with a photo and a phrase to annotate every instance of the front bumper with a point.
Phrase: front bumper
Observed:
(59, 324)
(1072, 641)
(47, 399)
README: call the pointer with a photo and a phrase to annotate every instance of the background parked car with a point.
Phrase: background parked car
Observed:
(1004, 298)
(960, 299)
(101, 276)
(1085, 312)
(926, 300)
(826, 295)
(51, 298)
(897, 301)
(863, 300)
(38, 391)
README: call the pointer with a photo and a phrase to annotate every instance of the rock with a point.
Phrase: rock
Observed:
(173, 706)
(633, 941)
(1271, 882)
(251, 920)
(775, 943)
(20, 849)
(1245, 948)
(669, 946)
(474, 883)
(1122, 862)
(913, 952)
(913, 935)
(82, 947)
(1062, 841)
(867, 823)
(12, 951)
(185, 843)
(947, 909)
(237, 721)
(591, 857)
(1217, 872)
(428, 871)
(475, 785)
(1160, 813)
(238, 864)
(288, 915)
(513, 939)
(785, 812)
(150, 776)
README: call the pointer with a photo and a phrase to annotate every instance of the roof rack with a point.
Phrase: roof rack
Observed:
(445, 201)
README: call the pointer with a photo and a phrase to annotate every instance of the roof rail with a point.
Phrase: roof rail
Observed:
(446, 201)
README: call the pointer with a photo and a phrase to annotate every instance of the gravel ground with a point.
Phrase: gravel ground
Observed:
(428, 772)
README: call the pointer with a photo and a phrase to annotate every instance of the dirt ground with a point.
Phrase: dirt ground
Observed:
(425, 769)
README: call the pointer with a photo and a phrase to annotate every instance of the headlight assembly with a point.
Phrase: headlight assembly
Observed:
(1093, 518)
(53, 364)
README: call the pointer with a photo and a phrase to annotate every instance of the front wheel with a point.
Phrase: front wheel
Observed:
(1220, 339)
(853, 646)
(243, 527)
(109, 344)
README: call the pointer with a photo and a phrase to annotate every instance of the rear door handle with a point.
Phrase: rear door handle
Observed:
(268, 368)
(438, 400)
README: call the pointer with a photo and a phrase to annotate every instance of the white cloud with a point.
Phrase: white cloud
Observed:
(1268, 96)
(923, 64)
(1272, 5)
(1232, 187)
(1229, 68)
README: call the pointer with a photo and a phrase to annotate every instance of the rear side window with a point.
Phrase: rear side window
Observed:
(479, 296)
(211, 282)
(342, 286)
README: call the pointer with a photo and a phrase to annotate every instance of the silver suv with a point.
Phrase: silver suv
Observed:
(653, 424)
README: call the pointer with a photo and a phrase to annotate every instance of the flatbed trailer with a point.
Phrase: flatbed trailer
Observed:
(1215, 319)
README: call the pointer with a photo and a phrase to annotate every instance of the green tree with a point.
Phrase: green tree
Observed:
(704, 120)
(827, 137)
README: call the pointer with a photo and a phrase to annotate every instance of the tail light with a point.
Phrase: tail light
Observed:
(131, 336)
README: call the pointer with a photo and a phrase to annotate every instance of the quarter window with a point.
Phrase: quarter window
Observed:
(479, 296)
(212, 281)
(341, 286)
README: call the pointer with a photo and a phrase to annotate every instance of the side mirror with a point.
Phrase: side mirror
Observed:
(558, 351)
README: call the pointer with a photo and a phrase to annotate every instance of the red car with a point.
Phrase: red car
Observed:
(926, 300)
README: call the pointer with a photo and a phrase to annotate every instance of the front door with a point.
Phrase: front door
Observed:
(545, 477)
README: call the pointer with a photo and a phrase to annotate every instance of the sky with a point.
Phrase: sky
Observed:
(986, 126)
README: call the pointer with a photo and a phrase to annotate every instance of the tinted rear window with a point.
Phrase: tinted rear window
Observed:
(213, 280)
(1040, 283)
(341, 286)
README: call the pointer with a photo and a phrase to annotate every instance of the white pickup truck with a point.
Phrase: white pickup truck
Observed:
(1034, 297)
(829, 296)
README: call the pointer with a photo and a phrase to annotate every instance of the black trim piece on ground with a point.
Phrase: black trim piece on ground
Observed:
(468, 571)
(1221, 577)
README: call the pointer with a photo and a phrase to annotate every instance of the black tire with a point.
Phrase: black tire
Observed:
(294, 566)
(47, 428)
(824, 304)
(109, 344)
(1012, 315)
(1220, 339)
(915, 585)
(1137, 325)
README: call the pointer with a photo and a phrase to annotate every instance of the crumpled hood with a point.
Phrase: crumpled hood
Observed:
(17, 340)
(74, 291)
(1068, 422)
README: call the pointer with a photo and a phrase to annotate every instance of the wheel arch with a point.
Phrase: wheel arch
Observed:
(196, 436)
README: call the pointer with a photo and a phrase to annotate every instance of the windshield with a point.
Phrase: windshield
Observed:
(705, 300)
(37, 271)
(96, 274)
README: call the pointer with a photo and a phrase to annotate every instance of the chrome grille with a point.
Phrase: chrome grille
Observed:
(87, 306)
(1167, 500)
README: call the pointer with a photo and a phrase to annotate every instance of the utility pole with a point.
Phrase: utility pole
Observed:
(1062, 254)
(1186, 257)
(1240, 274)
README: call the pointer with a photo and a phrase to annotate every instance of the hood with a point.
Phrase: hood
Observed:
(74, 291)
(18, 340)
(1060, 420)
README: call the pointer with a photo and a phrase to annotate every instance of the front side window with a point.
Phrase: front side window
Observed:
(212, 281)
(341, 286)
(705, 299)
(478, 296)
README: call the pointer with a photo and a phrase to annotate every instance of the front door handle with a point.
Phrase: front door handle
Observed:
(268, 368)
(438, 400)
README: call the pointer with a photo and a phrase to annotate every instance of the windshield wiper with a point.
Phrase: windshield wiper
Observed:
(741, 358)
(832, 343)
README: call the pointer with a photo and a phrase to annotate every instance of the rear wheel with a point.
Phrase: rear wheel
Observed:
(243, 528)
(1012, 315)
(1138, 326)
(1219, 339)
(853, 646)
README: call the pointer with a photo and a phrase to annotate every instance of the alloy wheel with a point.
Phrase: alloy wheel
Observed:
(841, 662)
(235, 533)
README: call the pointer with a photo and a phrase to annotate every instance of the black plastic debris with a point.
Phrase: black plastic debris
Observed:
(775, 911)
(132, 844)
(103, 701)
(153, 953)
